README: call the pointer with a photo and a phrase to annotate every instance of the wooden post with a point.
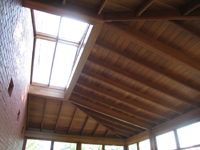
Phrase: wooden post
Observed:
(24, 144)
(52, 144)
(125, 147)
(138, 148)
(176, 139)
(103, 147)
(152, 140)
(78, 146)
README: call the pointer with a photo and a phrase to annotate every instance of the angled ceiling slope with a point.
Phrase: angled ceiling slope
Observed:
(143, 70)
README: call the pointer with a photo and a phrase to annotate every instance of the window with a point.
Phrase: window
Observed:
(189, 135)
(132, 147)
(57, 45)
(38, 145)
(166, 141)
(112, 147)
(144, 145)
(91, 147)
(64, 146)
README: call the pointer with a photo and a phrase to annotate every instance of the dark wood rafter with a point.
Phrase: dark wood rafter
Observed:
(102, 5)
(95, 130)
(61, 105)
(81, 102)
(150, 15)
(155, 46)
(132, 91)
(186, 29)
(190, 7)
(86, 120)
(42, 123)
(111, 120)
(121, 108)
(145, 4)
(70, 126)
(106, 133)
(154, 68)
(28, 111)
(97, 121)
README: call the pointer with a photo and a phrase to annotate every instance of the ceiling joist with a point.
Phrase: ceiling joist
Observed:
(145, 4)
(41, 126)
(102, 5)
(58, 116)
(190, 7)
(81, 102)
(134, 92)
(149, 15)
(154, 45)
(70, 126)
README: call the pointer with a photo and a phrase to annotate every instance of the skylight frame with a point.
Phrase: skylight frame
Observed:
(56, 39)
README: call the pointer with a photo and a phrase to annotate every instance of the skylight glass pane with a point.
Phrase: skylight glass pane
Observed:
(72, 30)
(63, 62)
(46, 23)
(42, 61)
(166, 141)
(189, 135)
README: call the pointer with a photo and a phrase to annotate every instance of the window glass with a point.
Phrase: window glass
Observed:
(38, 145)
(72, 30)
(113, 147)
(132, 147)
(144, 145)
(189, 135)
(64, 146)
(46, 23)
(63, 62)
(166, 141)
(44, 51)
(91, 147)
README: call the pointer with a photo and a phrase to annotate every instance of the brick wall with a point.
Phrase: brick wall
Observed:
(16, 43)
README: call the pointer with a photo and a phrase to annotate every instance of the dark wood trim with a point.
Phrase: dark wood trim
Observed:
(73, 138)
(186, 29)
(70, 126)
(150, 15)
(24, 144)
(52, 144)
(80, 102)
(41, 126)
(95, 129)
(145, 4)
(28, 110)
(154, 68)
(194, 4)
(86, 120)
(102, 5)
(176, 139)
(58, 116)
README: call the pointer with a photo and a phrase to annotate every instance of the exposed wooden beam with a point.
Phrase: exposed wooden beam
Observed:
(190, 7)
(110, 104)
(102, 5)
(87, 47)
(78, 101)
(130, 90)
(111, 120)
(119, 132)
(86, 120)
(155, 68)
(58, 116)
(28, 111)
(95, 129)
(79, 107)
(41, 126)
(148, 15)
(73, 138)
(186, 29)
(155, 46)
(71, 10)
(145, 4)
(106, 133)
(70, 126)
(137, 138)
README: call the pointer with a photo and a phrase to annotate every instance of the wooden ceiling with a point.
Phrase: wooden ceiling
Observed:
(143, 70)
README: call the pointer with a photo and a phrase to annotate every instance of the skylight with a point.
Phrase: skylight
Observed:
(58, 41)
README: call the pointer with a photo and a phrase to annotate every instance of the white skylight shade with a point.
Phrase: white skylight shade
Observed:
(46, 23)
(63, 62)
(72, 30)
(43, 60)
